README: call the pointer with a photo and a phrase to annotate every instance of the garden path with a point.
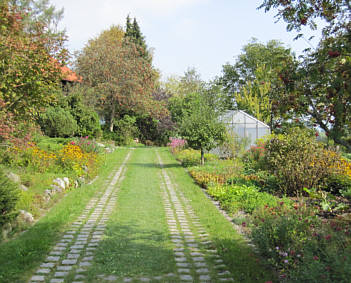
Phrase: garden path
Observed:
(142, 228)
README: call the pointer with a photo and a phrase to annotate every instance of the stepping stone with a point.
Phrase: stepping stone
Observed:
(47, 264)
(226, 279)
(57, 280)
(64, 268)
(88, 258)
(85, 263)
(56, 253)
(186, 277)
(182, 264)
(43, 271)
(178, 249)
(68, 236)
(144, 279)
(77, 247)
(218, 261)
(196, 254)
(61, 273)
(200, 264)
(59, 248)
(224, 273)
(220, 266)
(69, 261)
(180, 259)
(205, 277)
(198, 259)
(38, 278)
(202, 271)
(79, 276)
(127, 280)
(53, 258)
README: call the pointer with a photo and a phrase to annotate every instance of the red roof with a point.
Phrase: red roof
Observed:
(69, 75)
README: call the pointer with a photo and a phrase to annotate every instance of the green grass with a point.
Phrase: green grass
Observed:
(19, 257)
(243, 263)
(137, 240)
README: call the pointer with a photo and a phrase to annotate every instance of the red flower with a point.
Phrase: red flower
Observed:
(328, 237)
(316, 257)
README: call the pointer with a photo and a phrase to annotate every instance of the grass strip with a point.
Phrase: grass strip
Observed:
(137, 241)
(20, 256)
(238, 256)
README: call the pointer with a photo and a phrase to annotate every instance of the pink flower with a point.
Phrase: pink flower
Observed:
(73, 143)
(316, 257)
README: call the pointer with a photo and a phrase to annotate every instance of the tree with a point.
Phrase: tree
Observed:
(120, 76)
(200, 125)
(254, 96)
(254, 83)
(133, 34)
(335, 13)
(274, 56)
(319, 88)
(29, 63)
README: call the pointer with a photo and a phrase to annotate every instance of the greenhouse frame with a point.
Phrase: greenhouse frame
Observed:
(242, 125)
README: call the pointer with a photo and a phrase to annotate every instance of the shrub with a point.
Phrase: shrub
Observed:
(298, 160)
(188, 157)
(127, 130)
(337, 184)
(9, 195)
(301, 246)
(241, 197)
(87, 145)
(57, 122)
(176, 144)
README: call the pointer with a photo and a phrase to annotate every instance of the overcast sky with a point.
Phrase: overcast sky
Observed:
(204, 34)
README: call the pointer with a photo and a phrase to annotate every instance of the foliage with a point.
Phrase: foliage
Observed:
(297, 14)
(337, 184)
(176, 144)
(299, 161)
(30, 76)
(253, 82)
(127, 130)
(133, 34)
(9, 195)
(123, 80)
(241, 197)
(233, 146)
(318, 88)
(87, 145)
(88, 122)
(301, 246)
(58, 122)
(201, 127)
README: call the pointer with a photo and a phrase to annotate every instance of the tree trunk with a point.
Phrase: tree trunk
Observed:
(202, 157)
(112, 119)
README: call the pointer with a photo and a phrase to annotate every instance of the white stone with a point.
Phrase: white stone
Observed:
(59, 182)
(66, 180)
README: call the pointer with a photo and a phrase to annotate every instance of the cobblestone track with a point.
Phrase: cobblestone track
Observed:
(196, 258)
(73, 254)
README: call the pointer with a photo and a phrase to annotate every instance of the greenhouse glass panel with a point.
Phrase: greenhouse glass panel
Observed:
(244, 126)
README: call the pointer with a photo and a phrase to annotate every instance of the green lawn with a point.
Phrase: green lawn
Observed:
(137, 241)
(19, 257)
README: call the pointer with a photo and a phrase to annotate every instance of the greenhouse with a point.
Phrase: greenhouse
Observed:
(242, 125)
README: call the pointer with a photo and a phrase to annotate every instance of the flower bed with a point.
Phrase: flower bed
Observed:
(304, 233)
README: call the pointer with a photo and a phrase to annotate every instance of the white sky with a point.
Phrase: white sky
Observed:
(204, 34)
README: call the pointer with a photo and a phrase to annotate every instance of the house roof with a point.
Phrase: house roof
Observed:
(69, 75)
